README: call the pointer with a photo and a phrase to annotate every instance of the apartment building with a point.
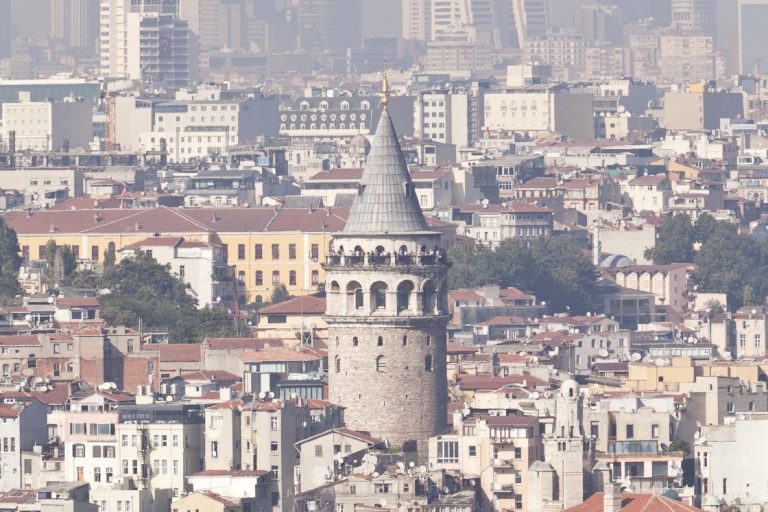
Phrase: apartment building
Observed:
(495, 450)
(159, 445)
(491, 224)
(47, 125)
(751, 331)
(23, 427)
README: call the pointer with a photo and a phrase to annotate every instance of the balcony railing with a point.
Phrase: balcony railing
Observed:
(385, 260)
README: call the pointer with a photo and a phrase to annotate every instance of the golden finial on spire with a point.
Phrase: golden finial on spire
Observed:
(385, 87)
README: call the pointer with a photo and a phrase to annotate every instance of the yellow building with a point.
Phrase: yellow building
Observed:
(650, 377)
(266, 246)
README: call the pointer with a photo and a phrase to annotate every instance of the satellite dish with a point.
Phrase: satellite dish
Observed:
(472, 482)
(411, 464)
(636, 356)
(603, 353)
(535, 395)
(422, 469)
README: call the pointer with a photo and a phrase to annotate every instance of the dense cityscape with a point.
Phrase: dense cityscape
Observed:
(383, 255)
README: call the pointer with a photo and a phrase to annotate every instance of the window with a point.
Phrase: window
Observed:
(381, 364)
(214, 449)
(273, 423)
(241, 251)
(97, 474)
(292, 278)
(473, 451)
(291, 251)
(380, 295)
(380, 341)
(275, 251)
(518, 452)
(630, 431)
(315, 278)
(257, 252)
(428, 363)
(78, 450)
(274, 473)
(259, 278)
(655, 431)
(273, 447)
(318, 450)
(729, 408)
(314, 252)
(216, 421)
(447, 452)
(518, 501)
(275, 277)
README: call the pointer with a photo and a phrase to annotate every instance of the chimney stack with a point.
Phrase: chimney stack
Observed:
(612, 497)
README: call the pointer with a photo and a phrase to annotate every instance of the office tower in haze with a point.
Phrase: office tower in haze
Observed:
(753, 34)
(75, 22)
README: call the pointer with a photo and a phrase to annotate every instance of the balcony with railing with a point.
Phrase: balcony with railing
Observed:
(385, 260)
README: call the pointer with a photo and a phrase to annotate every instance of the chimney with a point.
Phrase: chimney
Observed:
(96, 218)
(612, 497)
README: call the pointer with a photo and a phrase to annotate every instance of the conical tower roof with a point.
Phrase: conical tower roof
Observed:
(386, 200)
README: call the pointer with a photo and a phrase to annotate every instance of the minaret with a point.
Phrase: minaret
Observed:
(386, 310)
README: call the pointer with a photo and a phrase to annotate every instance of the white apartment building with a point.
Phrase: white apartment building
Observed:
(47, 126)
(751, 332)
(539, 108)
(23, 426)
(443, 116)
(145, 40)
(159, 444)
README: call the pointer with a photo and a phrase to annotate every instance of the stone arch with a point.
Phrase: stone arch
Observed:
(381, 364)
(335, 288)
(380, 250)
(404, 291)
(441, 298)
(379, 295)
(355, 296)
(428, 295)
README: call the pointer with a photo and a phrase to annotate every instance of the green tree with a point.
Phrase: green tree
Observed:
(674, 243)
(85, 278)
(109, 259)
(143, 290)
(279, 294)
(60, 264)
(679, 445)
(10, 262)
(554, 269)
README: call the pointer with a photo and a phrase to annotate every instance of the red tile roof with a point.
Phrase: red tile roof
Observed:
(177, 352)
(279, 354)
(305, 304)
(465, 295)
(318, 220)
(212, 375)
(458, 348)
(242, 343)
(635, 503)
(25, 339)
(77, 302)
(655, 179)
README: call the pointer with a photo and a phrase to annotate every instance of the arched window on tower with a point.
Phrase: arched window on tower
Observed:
(404, 290)
(380, 341)
(428, 298)
(428, 363)
(381, 364)
(379, 295)
(354, 341)
(354, 295)
(337, 364)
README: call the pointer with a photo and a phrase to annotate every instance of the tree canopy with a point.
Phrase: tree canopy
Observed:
(143, 290)
(727, 261)
(553, 269)
(60, 264)
(10, 262)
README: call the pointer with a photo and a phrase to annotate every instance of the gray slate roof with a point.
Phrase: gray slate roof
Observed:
(387, 203)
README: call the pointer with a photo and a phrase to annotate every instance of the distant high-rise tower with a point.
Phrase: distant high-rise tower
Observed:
(76, 22)
(386, 306)
(694, 16)
(416, 19)
(145, 40)
(329, 25)
(532, 19)
(5, 30)
(753, 34)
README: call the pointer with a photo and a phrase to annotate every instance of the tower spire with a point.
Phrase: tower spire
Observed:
(385, 87)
